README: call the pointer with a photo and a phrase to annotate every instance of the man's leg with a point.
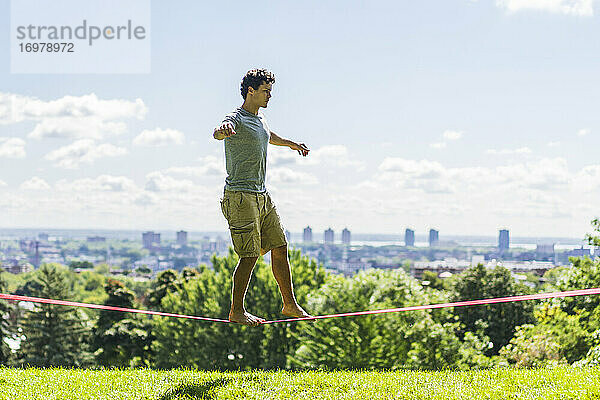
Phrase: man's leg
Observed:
(283, 276)
(241, 277)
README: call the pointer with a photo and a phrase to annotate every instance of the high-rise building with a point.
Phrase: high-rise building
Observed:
(182, 238)
(346, 236)
(503, 240)
(151, 239)
(288, 236)
(307, 236)
(409, 237)
(328, 236)
(544, 249)
(43, 237)
(434, 237)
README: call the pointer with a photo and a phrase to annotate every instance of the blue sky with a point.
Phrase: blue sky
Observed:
(465, 116)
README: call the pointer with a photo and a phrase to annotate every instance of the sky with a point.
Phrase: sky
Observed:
(459, 115)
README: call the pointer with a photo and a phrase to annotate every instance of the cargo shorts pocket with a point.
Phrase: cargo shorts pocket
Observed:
(224, 208)
(244, 238)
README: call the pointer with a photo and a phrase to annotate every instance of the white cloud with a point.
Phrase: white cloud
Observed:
(2, 183)
(34, 183)
(583, 132)
(158, 137)
(12, 147)
(16, 108)
(289, 176)
(448, 135)
(145, 199)
(583, 8)
(336, 155)
(332, 155)
(209, 166)
(77, 128)
(588, 179)
(102, 183)
(283, 156)
(159, 182)
(417, 169)
(425, 175)
(453, 135)
(520, 150)
(70, 116)
(83, 151)
(548, 174)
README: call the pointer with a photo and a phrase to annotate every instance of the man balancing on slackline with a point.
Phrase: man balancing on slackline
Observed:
(253, 220)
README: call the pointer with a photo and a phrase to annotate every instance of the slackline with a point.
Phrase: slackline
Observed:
(538, 296)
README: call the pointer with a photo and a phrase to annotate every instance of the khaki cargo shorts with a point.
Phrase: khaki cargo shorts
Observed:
(253, 222)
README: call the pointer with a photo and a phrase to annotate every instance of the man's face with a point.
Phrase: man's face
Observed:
(261, 95)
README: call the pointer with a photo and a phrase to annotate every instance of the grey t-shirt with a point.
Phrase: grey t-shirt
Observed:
(246, 151)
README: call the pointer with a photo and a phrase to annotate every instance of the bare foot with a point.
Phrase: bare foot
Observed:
(243, 317)
(294, 311)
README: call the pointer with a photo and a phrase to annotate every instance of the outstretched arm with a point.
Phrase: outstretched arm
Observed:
(279, 141)
(223, 131)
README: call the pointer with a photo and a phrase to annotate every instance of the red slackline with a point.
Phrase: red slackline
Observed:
(569, 293)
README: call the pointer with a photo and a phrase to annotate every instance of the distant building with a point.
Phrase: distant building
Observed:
(544, 249)
(346, 236)
(328, 236)
(15, 267)
(409, 237)
(96, 239)
(503, 240)
(581, 252)
(182, 239)
(434, 237)
(288, 236)
(151, 240)
(451, 265)
(307, 235)
(43, 237)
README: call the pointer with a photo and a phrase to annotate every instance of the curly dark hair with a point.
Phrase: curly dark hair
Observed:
(254, 78)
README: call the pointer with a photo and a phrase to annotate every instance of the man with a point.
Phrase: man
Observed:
(253, 220)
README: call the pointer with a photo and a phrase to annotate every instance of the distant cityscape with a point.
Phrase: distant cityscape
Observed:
(143, 254)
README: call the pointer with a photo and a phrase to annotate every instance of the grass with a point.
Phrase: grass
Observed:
(56, 383)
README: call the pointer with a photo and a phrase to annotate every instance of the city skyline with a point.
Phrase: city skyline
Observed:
(414, 119)
(306, 235)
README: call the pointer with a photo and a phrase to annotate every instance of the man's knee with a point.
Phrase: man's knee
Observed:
(247, 262)
(280, 251)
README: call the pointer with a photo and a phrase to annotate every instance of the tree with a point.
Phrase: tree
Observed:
(532, 348)
(594, 238)
(81, 264)
(120, 339)
(54, 335)
(165, 281)
(502, 319)
(206, 345)
(434, 281)
(392, 341)
(579, 315)
(4, 324)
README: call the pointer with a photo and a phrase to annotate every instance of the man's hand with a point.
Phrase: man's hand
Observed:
(225, 130)
(300, 148)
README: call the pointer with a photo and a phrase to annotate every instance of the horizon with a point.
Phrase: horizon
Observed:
(356, 236)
